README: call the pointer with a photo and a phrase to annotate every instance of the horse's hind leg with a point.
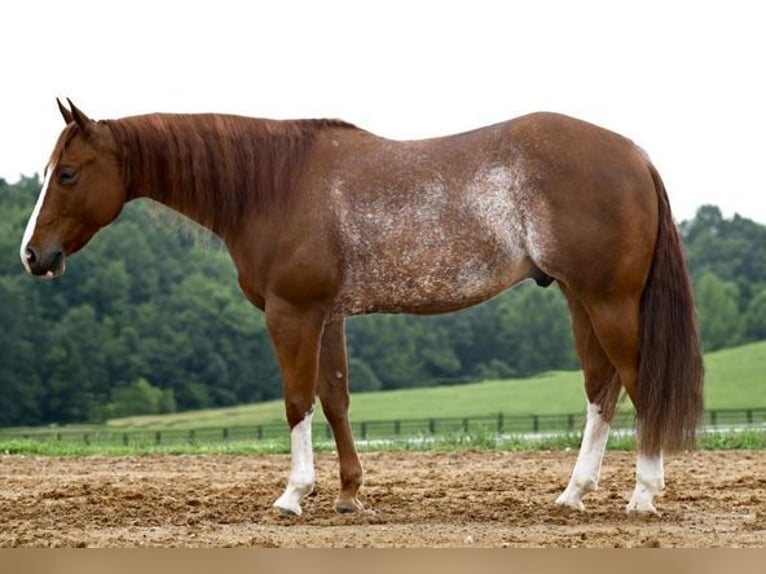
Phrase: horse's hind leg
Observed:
(602, 387)
(617, 325)
(333, 392)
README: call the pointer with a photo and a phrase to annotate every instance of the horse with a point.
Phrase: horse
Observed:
(324, 220)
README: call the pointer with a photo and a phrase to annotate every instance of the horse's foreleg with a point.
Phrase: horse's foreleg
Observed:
(296, 333)
(333, 392)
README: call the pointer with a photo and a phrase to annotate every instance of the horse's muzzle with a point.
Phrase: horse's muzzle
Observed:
(47, 265)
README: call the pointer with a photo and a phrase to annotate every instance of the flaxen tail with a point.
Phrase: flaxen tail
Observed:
(670, 372)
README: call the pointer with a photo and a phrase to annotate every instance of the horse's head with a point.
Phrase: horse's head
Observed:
(83, 191)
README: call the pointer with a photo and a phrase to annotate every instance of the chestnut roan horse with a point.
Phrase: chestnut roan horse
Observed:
(325, 220)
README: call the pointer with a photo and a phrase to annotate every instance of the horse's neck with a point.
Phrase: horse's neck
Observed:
(214, 169)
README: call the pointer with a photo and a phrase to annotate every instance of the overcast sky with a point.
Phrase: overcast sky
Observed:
(683, 80)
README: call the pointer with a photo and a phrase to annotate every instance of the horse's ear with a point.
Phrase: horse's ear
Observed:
(65, 113)
(86, 124)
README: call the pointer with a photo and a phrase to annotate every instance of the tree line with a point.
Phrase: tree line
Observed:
(149, 319)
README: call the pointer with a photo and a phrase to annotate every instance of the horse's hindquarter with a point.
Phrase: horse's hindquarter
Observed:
(430, 226)
(600, 204)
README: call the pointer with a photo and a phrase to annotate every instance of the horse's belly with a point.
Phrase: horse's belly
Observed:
(441, 248)
(431, 274)
(431, 290)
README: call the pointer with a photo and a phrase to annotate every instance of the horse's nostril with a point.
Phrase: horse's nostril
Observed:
(31, 255)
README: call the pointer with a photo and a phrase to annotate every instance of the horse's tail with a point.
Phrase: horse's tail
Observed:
(670, 371)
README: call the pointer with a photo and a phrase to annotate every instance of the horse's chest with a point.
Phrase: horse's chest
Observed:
(438, 247)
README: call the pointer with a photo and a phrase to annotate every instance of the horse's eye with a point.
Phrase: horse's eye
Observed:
(67, 176)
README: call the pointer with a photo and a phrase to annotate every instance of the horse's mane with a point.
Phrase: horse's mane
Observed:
(217, 168)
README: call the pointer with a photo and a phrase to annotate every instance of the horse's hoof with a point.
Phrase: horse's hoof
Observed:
(569, 504)
(287, 512)
(289, 504)
(348, 505)
(642, 502)
(641, 510)
(286, 508)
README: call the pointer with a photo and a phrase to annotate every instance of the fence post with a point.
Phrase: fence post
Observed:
(749, 416)
(58, 436)
(397, 428)
(499, 422)
(125, 439)
(535, 423)
(327, 430)
(225, 433)
(364, 431)
(465, 425)
(570, 421)
(86, 438)
(259, 432)
(714, 418)
(191, 436)
(158, 437)
(432, 426)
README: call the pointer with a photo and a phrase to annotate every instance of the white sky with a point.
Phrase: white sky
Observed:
(684, 80)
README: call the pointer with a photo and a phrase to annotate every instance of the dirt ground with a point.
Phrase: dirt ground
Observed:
(488, 499)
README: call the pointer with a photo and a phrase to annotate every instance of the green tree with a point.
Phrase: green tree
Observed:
(361, 377)
(136, 398)
(733, 249)
(755, 317)
(536, 330)
(385, 343)
(21, 388)
(718, 308)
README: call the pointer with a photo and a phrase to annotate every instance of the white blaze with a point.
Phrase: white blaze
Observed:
(32, 223)
(588, 467)
(301, 481)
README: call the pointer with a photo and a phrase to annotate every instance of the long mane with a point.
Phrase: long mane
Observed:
(216, 167)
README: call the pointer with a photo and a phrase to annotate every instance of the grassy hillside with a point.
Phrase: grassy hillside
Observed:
(734, 378)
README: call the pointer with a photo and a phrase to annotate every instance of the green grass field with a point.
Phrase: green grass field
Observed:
(735, 378)
(745, 440)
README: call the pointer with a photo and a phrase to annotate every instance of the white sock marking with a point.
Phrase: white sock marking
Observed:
(588, 466)
(301, 481)
(32, 223)
(650, 479)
